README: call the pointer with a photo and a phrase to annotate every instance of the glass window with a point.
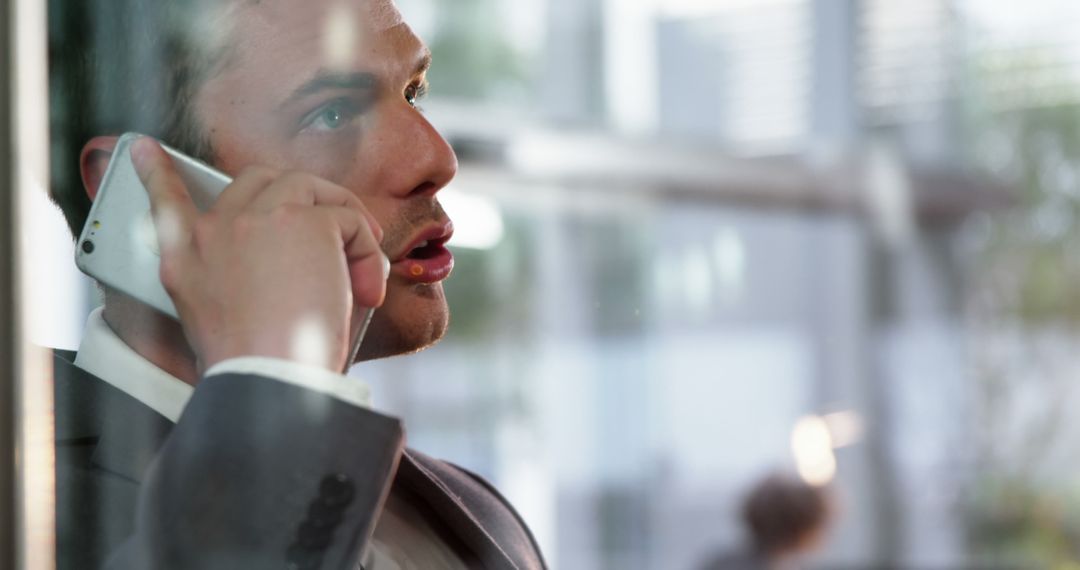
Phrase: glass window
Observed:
(661, 273)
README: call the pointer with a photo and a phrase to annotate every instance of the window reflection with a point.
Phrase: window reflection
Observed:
(700, 242)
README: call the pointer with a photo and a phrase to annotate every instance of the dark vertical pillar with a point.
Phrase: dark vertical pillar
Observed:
(8, 295)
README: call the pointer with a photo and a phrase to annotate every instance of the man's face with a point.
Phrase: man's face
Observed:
(328, 87)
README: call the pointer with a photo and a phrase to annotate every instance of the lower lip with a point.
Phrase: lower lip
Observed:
(431, 270)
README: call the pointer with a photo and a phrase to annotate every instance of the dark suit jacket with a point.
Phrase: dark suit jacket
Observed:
(256, 474)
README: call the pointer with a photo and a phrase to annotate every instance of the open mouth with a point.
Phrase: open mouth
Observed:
(427, 250)
(429, 261)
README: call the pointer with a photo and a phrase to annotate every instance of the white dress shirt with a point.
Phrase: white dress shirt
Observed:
(403, 538)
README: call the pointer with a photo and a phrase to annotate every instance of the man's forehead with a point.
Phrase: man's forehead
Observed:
(370, 16)
(330, 34)
(277, 47)
(384, 15)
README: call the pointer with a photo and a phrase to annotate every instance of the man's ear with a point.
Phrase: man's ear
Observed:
(93, 162)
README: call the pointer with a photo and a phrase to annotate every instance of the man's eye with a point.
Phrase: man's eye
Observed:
(333, 116)
(414, 93)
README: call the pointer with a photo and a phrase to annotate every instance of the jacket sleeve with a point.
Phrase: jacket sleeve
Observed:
(264, 474)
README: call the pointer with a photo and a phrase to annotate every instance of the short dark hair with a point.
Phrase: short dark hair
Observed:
(119, 66)
(782, 510)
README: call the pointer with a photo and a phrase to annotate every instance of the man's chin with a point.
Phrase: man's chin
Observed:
(398, 329)
(376, 345)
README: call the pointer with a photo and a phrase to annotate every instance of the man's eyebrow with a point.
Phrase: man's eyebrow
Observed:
(424, 64)
(324, 79)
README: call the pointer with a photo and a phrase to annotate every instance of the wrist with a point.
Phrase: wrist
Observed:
(305, 348)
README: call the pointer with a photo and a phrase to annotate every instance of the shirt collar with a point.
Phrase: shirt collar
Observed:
(104, 355)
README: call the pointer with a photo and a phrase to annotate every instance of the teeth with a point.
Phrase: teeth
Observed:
(421, 244)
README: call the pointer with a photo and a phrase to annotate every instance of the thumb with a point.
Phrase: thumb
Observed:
(174, 212)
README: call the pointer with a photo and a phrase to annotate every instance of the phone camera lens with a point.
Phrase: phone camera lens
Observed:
(88, 246)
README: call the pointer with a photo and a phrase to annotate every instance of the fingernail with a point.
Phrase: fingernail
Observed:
(140, 152)
(385, 266)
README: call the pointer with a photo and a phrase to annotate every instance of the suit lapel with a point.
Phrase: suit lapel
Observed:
(127, 432)
(130, 440)
(454, 513)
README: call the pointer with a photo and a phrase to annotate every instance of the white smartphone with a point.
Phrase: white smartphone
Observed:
(118, 246)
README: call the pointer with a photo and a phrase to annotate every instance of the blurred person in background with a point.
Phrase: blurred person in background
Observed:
(216, 442)
(785, 519)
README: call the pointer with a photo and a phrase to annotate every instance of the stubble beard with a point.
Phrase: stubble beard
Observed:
(394, 334)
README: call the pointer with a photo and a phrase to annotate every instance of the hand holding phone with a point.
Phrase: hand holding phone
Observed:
(272, 267)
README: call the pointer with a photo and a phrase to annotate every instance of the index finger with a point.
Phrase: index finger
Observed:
(174, 212)
(309, 190)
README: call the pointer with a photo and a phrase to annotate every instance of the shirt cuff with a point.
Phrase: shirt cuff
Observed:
(349, 390)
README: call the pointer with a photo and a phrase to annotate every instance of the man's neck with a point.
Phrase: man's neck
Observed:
(153, 336)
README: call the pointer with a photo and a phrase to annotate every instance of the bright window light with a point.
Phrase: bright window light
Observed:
(478, 222)
(812, 446)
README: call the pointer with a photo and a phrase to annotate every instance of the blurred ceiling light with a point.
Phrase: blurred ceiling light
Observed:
(478, 222)
(812, 446)
(845, 428)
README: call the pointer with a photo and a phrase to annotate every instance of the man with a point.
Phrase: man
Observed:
(229, 439)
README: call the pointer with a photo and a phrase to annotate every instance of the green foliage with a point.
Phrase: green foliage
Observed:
(1024, 282)
(1019, 525)
(1030, 137)
(473, 54)
(491, 292)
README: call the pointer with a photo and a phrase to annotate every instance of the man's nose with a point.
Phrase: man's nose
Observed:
(426, 156)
